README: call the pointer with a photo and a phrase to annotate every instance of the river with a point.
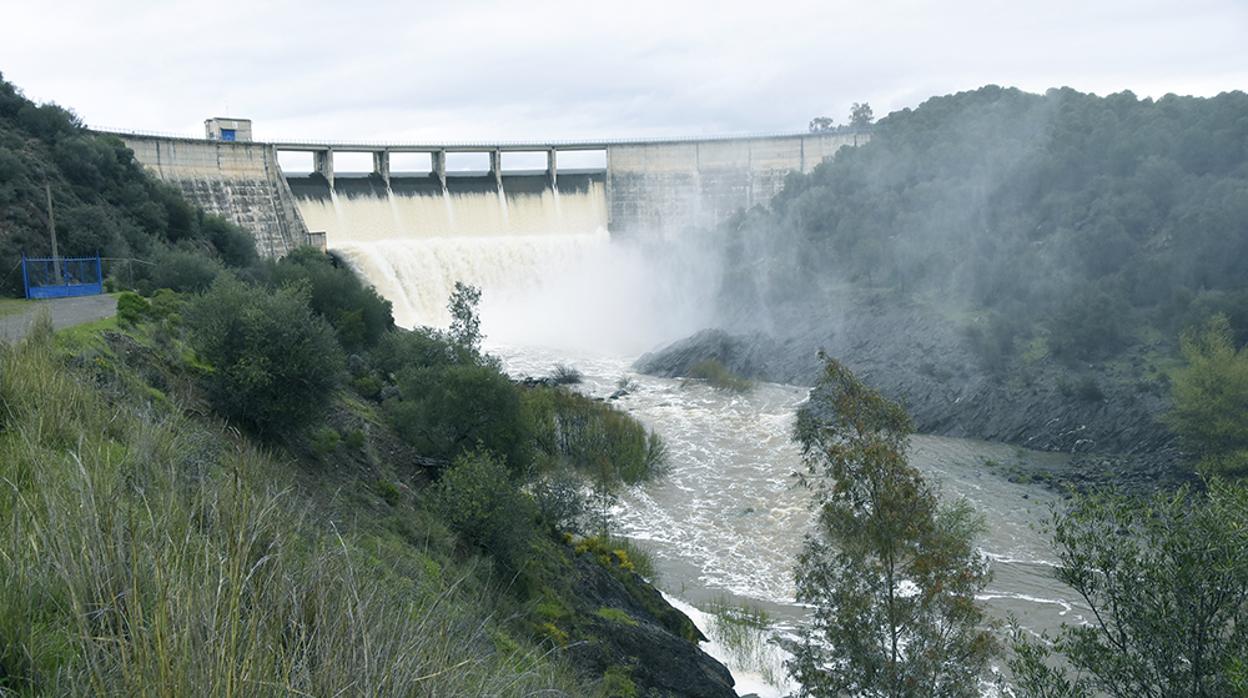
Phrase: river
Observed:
(726, 524)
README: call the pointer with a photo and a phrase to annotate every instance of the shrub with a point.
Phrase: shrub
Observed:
(325, 441)
(167, 305)
(421, 347)
(273, 361)
(560, 501)
(235, 246)
(564, 374)
(484, 508)
(719, 376)
(445, 411)
(1210, 412)
(184, 271)
(368, 386)
(354, 439)
(358, 314)
(131, 308)
(617, 682)
(389, 492)
(594, 437)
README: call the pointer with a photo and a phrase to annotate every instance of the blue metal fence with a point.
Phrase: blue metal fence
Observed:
(60, 277)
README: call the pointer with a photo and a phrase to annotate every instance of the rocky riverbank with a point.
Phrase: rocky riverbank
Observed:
(1107, 416)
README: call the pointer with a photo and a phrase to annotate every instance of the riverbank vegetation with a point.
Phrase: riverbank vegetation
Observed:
(714, 373)
(1211, 398)
(1165, 580)
(892, 573)
(177, 517)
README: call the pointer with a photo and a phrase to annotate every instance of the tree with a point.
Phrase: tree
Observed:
(1166, 582)
(891, 573)
(860, 116)
(273, 361)
(822, 123)
(1210, 412)
(465, 323)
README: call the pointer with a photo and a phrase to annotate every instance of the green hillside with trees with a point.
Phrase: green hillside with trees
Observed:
(103, 201)
(1064, 242)
(1089, 223)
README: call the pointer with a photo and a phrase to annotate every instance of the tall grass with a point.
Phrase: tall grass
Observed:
(145, 553)
(745, 633)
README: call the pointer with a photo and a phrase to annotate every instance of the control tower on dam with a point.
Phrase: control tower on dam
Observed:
(358, 192)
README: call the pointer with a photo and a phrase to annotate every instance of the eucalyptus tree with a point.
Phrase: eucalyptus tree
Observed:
(889, 570)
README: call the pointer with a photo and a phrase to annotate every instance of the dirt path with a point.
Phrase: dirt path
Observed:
(65, 312)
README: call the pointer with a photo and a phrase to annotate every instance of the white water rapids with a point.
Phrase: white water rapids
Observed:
(727, 523)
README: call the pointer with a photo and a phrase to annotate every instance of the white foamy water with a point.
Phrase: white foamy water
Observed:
(491, 214)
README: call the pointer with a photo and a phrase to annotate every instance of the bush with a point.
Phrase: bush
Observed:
(325, 441)
(719, 376)
(354, 439)
(421, 347)
(445, 411)
(560, 501)
(564, 374)
(358, 314)
(131, 308)
(167, 305)
(1210, 412)
(367, 386)
(484, 508)
(184, 271)
(593, 437)
(273, 361)
(235, 246)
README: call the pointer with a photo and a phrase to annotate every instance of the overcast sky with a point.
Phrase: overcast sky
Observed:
(465, 70)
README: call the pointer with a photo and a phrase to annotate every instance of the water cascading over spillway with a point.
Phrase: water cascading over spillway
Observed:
(414, 237)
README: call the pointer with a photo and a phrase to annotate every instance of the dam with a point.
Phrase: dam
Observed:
(660, 185)
(416, 218)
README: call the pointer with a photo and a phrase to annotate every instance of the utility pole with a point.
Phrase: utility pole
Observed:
(56, 257)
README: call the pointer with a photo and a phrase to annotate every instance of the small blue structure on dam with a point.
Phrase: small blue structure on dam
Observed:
(62, 277)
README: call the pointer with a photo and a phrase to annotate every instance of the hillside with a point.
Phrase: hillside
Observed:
(1009, 265)
(250, 482)
(103, 201)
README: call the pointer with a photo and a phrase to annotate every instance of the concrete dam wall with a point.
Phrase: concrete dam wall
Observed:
(240, 181)
(644, 187)
(668, 186)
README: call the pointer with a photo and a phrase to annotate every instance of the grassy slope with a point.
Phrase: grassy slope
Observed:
(148, 549)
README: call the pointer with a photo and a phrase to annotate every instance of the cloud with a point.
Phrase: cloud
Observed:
(490, 70)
